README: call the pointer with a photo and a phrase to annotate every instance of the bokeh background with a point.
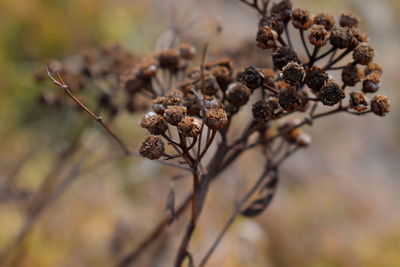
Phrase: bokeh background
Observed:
(339, 200)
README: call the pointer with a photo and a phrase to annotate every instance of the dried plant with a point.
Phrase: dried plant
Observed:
(193, 107)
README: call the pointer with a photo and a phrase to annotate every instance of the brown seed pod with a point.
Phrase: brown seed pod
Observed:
(318, 35)
(189, 127)
(282, 10)
(380, 105)
(349, 19)
(169, 60)
(216, 118)
(282, 56)
(341, 37)
(266, 37)
(351, 74)
(358, 101)
(301, 18)
(265, 110)
(316, 78)
(293, 73)
(238, 94)
(331, 93)
(364, 54)
(252, 77)
(174, 114)
(152, 147)
(154, 123)
(326, 20)
(371, 83)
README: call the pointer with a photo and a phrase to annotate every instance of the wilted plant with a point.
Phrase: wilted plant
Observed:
(193, 107)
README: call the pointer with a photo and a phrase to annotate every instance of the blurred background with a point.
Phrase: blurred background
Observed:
(338, 203)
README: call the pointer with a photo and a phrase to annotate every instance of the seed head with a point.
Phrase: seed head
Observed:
(351, 74)
(265, 110)
(274, 22)
(174, 114)
(189, 127)
(341, 37)
(282, 10)
(331, 93)
(371, 83)
(293, 73)
(187, 51)
(174, 98)
(152, 147)
(282, 56)
(289, 99)
(266, 37)
(147, 69)
(223, 76)
(251, 77)
(216, 118)
(159, 105)
(154, 123)
(363, 54)
(326, 20)
(238, 94)
(373, 67)
(301, 18)
(348, 19)
(169, 60)
(315, 78)
(210, 86)
(380, 105)
(210, 102)
(358, 101)
(318, 36)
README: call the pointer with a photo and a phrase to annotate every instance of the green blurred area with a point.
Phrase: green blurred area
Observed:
(325, 220)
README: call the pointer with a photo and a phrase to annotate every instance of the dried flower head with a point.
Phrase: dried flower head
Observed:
(282, 56)
(223, 76)
(301, 18)
(238, 94)
(154, 123)
(189, 127)
(349, 19)
(325, 19)
(216, 118)
(174, 114)
(274, 22)
(363, 54)
(159, 105)
(174, 98)
(169, 59)
(187, 51)
(210, 102)
(252, 77)
(373, 67)
(293, 73)
(290, 100)
(266, 37)
(358, 101)
(318, 35)
(331, 93)
(316, 78)
(152, 147)
(265, 110)
(380, 105)
(282, 10)
(371, 83)
(210, 85)
(341, 37)
(351, 74)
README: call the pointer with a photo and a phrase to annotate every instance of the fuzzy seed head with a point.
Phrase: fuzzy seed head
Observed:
(316, 78)
(266, 37)
(364, 54)
(326, 20)
(349, 19)
(341, 37)
(358, 101)
(282, 10)
(152, 147)
(216, 118)
(380, 105)
(174, 114)
(331, 93)
(238, 94)
(318, 36)
(154, 123)
(301, 18)
(189, 127)
(251, 77)
(293, 73)
(265, 110)
(351, 74)
(282, 56)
